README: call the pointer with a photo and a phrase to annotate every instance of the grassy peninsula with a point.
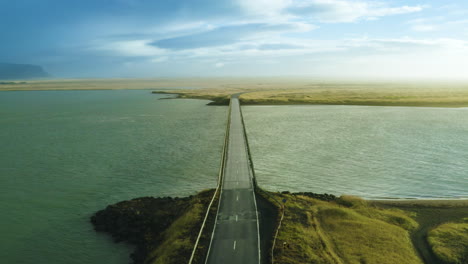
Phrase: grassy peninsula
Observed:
(316, 228)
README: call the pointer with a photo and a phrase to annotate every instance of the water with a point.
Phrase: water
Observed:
(67, 154)
(372, 152)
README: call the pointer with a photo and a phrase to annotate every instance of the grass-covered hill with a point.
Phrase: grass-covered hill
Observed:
(345, 230)
(324, 229)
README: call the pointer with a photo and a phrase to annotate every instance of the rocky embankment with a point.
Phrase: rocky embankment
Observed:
(319, 196)
(149, 223)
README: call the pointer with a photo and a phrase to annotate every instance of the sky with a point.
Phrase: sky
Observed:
(426, 39)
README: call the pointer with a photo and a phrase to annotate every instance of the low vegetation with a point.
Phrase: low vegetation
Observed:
(277, 90)
(344, 230)
(449, 242)
(430, 214)
(365, 94)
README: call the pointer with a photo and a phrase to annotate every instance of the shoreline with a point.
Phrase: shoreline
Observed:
(419, 199)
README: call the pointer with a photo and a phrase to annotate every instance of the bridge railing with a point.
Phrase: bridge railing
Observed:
(249, 154)
(261, 191)
(218, 187)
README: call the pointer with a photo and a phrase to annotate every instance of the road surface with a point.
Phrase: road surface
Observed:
(236, 236)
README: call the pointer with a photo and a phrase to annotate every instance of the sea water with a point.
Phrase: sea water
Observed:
(369, 151)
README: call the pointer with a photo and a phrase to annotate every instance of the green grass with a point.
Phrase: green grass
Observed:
(178, 239)
(346, 231)
(449, 242)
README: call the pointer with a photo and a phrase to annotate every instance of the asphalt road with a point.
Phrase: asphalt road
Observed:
(236, 235)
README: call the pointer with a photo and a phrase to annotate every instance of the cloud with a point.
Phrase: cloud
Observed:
(206, 36)
(335, 11)
(406, 44)
(424, 27)
(227, 35)
(128, 48)
(439, 23)
(279, 46)
(264, 7)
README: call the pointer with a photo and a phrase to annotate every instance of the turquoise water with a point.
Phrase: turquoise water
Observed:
(372, 152)
(66, 154)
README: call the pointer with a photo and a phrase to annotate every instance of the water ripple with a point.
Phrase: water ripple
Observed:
(373, 152)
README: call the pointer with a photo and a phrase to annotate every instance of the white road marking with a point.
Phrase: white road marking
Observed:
(237, 141)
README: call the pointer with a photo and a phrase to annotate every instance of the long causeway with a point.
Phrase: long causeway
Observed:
(236, 234)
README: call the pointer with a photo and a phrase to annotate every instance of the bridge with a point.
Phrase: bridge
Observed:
(236, 237)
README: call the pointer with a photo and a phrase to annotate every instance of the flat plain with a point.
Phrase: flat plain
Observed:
(276, 91)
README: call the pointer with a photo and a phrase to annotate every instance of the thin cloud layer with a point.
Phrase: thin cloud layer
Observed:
(138, 38)
(225, 35)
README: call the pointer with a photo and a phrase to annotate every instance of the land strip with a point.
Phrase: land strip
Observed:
(275, 91)
(376, 94)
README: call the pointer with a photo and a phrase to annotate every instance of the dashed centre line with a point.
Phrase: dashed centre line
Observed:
(237, 169)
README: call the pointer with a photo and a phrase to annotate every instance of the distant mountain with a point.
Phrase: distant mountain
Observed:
(9, 71)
